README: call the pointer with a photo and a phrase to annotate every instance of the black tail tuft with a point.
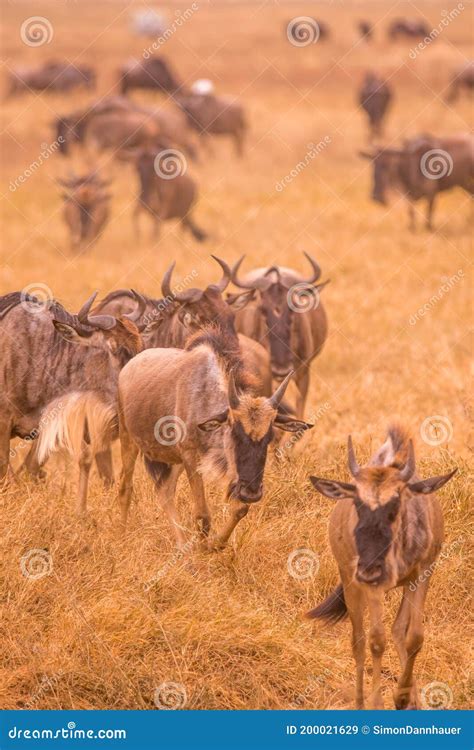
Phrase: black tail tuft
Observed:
(158, 471)
(333, 609)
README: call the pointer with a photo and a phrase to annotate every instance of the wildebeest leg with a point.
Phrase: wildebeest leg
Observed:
(302, 382)
(405, 694)
(197, 233)
(201, 511)
(165, 482)
(355, 606)
(238, 511)
(129, 456)
(103, 461)
(85, 463)
(400, 627)
(377, 643)
(411, 216)
(31, 464)
(429, 212)
(5, 432)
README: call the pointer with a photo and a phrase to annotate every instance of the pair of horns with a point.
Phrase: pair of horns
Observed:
(274, 400)
(265, 281)
(194, 295)
(107, 322)
(405, 474)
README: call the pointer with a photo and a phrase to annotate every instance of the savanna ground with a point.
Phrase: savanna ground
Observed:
(92, 633)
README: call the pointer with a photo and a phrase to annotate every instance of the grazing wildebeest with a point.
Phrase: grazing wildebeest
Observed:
(425, 166)
(86, 208)
(463, 79)
(375, 97)
(166, 191)
(195, 409)
(52, 76)
(209, 114)
(366, 30)
(153, 73)
(385, 531)
(40, 369)
(289, 319)
(408, 28)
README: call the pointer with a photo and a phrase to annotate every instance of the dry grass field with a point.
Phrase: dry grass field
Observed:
(229, 630)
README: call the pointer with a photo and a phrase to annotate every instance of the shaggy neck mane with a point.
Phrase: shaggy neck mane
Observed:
(9, 301)
(226, 347)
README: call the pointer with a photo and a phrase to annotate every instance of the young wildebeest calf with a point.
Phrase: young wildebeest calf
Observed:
(385, 530)
(374, 98)
(86, 208)
(196, 410)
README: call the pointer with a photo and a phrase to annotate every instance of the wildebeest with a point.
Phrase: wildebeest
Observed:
(166, 191)
(86, 208)
(152, 73)
(288, 318)
(408, 28)
(195, 409)
(422, 168)
(366, 30)
(385, 531)
(42, 368)
(375, 97)
(52, 76)
(463, 79)
(209, 114)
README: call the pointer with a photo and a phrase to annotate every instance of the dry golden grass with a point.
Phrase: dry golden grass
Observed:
(232, 631)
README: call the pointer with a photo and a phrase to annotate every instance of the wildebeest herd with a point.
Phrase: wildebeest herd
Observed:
(196, 380)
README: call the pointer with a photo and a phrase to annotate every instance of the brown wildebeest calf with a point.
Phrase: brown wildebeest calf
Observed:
(208, 114)
(462, 79)
(386, 529)
(422, 168)
(407, 28)
(86, 208)
(374, 98)
(195, 409)
(289, 319)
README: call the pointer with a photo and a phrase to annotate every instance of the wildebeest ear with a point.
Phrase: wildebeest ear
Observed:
(427, 486)
(334, 490)
(213, 424)
(289, 424)
(70, 334)
(240, 299)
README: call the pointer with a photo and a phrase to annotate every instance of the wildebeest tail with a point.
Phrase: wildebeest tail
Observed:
(400, 438)
(333, 609)
(70, 419)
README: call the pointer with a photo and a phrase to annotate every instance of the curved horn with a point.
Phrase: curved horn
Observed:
(83, 312)
(354, 467)
(166, 283)
(409, 469)
(315, 267)
(190, 295)
(136, 314)
(232, 392)
(104, 322)
(261, 283)
(275, 400)
(227, 274)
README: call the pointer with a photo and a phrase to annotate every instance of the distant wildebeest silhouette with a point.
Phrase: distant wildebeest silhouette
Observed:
(375, 97)
(152, 73)
(209, 115)
(366, 30)
(407, 28)
(86, 208)
(462, 80)
(385, 531)
(51, 76)
(423, 167)
(288, 318)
